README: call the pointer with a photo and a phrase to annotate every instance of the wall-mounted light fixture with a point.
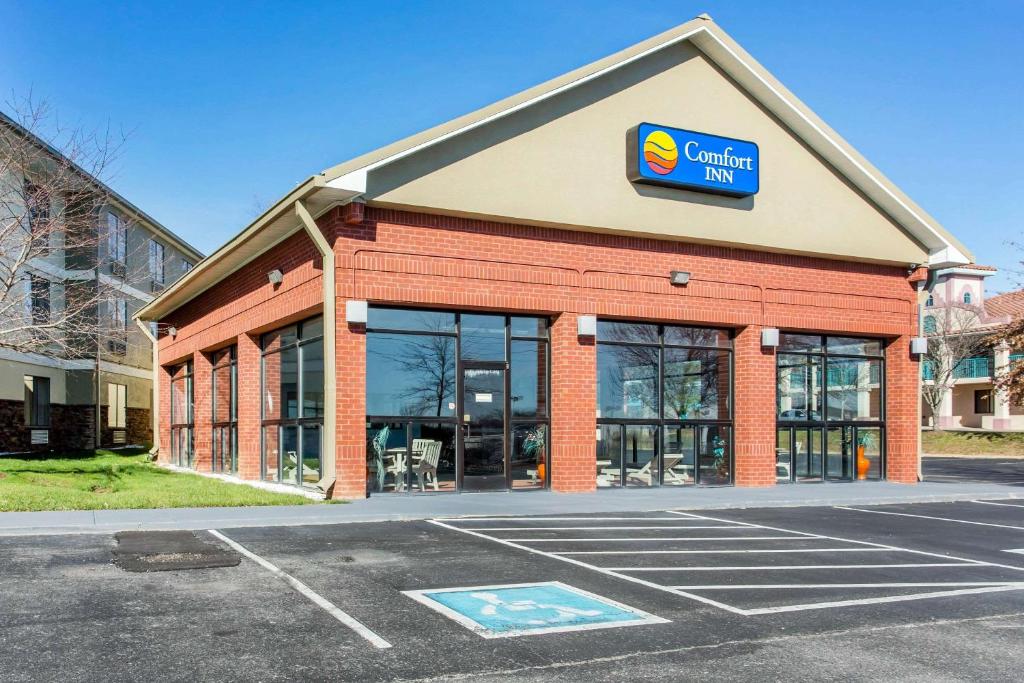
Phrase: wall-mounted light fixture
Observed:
(275, 276)
(919, 345)
(173, 331)
(586, 326)
(355, 312)
(770, 337)
(680, 277)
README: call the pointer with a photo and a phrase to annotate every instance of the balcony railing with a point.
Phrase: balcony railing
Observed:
(979, 367)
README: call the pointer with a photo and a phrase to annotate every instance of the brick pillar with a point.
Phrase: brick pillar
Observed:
(202, 385)
(350, 456)
(573, 408)
(754, 407)
(248, 411)
(901, 404)
(164, 397)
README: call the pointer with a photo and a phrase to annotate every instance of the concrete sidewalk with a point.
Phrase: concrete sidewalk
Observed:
(382, 508)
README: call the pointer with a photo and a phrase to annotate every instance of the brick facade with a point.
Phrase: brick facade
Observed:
(404, 258)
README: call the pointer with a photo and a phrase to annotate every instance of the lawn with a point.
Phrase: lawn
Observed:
(107, 480)
(973, 443)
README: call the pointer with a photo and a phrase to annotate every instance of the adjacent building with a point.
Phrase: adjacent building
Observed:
(957, 308)
(99, 391)
(660, 269)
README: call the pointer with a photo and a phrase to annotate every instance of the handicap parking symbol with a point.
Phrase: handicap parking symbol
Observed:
(530, 608)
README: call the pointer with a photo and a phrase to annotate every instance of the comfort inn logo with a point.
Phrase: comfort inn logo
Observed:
(701, 162)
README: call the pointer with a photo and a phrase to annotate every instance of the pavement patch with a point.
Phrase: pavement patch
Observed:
(157, 551)
(510, 610)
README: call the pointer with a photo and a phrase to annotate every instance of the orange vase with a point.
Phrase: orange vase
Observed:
(541, 471)
(863, 464)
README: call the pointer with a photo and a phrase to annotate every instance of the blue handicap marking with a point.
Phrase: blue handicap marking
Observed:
(522, 609)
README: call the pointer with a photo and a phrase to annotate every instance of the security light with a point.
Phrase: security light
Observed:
(770, 336)
(275, 277)
(355, 312)
(586, 326)
(919, 345)
(173, 331)
(680, 277)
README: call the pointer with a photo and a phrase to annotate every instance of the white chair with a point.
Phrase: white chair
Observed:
(645, 475)
(426, 468)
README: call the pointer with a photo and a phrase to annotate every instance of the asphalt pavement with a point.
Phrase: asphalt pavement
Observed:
(911, 591)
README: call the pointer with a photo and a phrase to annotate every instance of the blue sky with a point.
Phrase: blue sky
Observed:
(230, 105)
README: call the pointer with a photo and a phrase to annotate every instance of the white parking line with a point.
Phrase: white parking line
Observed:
(305, 590)
(784, 586)
(599, 528)
(939, 519)
(791, 567)
(730, 551)
(989, 502)
(704, 552)
(880, 601)
(664, 538)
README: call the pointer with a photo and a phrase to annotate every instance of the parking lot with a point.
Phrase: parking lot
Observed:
(930, 590)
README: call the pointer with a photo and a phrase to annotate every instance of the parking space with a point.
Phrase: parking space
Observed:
(738, 594)
(1005, 471)
(744, 567)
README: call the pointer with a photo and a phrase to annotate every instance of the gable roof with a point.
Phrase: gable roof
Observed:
(348, 180)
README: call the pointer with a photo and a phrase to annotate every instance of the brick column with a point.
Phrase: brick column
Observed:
(901, 404)
(202, 387)
(573, 408)
(754, 408)
(350, 456)
(248, 411)
(164, 397)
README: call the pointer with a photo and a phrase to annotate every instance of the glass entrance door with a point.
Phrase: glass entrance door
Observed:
(483, 427)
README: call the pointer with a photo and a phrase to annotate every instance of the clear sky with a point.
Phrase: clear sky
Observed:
(230, 105)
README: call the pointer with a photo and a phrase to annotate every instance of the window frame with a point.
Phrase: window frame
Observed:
(39, 299)
(224, 428)
(300, 422)
(34, 406)
(117, 239)
(157, 262)
(824, 424)
(660, 422)
(987, 396)
(183, 431)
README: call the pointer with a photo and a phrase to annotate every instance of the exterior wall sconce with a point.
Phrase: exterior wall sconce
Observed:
(173, 331)
(355, 312)
(679, 277)
(275, 277)
(919, 345)
(586, 326)
(770, 337)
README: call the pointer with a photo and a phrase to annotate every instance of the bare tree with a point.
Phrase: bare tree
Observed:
(953, 337)
(51, 193)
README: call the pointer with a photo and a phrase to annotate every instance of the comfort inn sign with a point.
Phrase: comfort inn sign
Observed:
(660, 155)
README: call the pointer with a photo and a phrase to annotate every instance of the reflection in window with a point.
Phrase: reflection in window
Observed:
(410, 375)
(854, 389)
(293, 403)
(182, 415)
(799, 387)
(680, 379)
(225, 410)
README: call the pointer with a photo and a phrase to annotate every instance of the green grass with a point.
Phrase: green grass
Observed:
(972, 443)
(106, 480)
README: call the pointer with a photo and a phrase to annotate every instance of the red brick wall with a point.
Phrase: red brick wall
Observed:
(418, 259)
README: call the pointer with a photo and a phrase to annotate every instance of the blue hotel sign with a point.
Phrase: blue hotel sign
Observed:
(674, 157)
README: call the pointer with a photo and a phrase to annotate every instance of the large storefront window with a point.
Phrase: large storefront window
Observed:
(455, 401)
(663, 405)
(293, 403)
(225, 411)
(830, 408)
(182, 416)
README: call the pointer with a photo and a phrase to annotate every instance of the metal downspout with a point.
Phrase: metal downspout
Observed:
(155, 397)
(328, 475)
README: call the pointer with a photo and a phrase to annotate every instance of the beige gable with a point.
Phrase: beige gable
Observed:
(562, 162)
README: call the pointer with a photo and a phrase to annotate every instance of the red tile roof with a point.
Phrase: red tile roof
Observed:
(1011, 304)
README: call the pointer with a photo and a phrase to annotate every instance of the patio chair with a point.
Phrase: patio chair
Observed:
(426, 468)
(379, 445)
(645, 475)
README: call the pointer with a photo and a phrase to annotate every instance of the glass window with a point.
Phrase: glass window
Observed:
(482, 337)
(806, 343)
(273, 341)
(637, 333)
(39, 299)
(156, 261)
(410, 320)
(609, 455)
(410, 374)
(679, 455)
(929, 324)
(225, 401)
(854, 390)
(930, 302)
(967, 297)
(528, 378)
(182, 415)
(854, 347)
(714, 445)
(529, 455)
(116, 238)
(696, 384)
(696, 336)
(37, 401)
(313, 379)
(799, 387)
(521, 326)
(627, 381)
(312, 328)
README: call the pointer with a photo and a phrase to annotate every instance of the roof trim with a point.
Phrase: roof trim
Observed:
(944, 249)
(117, 198)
